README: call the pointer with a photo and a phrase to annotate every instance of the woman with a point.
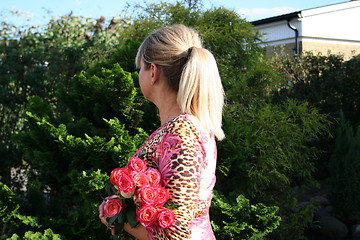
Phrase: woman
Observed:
(181, 78)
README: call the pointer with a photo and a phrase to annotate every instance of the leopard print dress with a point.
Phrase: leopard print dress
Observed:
(186, 158)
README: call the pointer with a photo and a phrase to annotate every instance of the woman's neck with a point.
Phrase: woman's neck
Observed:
(168, 106)
(165, 100)
(168, 112)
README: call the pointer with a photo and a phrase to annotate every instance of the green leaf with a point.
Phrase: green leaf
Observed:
(131, 217)
(121, 219)
(171, 205)
(112, 220)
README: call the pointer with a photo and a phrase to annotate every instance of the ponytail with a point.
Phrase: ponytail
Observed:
(200, 90)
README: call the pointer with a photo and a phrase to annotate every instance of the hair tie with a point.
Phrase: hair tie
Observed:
(190, 51)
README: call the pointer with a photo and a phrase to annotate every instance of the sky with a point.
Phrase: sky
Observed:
(38, 12)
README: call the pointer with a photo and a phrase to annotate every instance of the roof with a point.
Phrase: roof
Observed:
(287, 16)
(297, 14)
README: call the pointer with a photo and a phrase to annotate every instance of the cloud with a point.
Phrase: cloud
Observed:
(259, 13)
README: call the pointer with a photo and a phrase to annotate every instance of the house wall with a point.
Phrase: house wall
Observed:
(325, 48)
(347, 50)
(338, 22)
(330, 29)
(278, 33)
(288, 48)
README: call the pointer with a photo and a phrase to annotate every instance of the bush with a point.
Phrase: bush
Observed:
(267, 153)
(327, 83)
(13, 221)
(241, 220)
(344, 168)
(30, 235)
(8, 203)
(71, 154)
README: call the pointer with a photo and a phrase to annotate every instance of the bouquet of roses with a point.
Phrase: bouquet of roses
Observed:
(140, 197)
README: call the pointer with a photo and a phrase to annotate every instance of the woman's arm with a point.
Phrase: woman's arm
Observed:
(180, 164)
(139, 232)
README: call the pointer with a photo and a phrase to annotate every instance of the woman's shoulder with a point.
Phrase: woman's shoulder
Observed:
(183, 123)
(187, 125)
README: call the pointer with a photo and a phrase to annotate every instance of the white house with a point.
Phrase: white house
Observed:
(333, 28)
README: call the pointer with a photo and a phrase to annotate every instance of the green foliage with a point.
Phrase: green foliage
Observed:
(110, 92)
(8, 204)
(266, 151)
(241, 220)
(344, 168)
(66, 152)
(297, 219)
(327, 83)
(11, 218)
(34, 60)
(47, 235)
(351, 90)
(71, 111)
(87, 182)
(182, 11)
(332, 86)
(317, 79)
(230, 38)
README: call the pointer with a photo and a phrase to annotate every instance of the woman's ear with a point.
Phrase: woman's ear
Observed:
(155, 72)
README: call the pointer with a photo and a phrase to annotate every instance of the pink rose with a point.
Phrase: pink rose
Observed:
(112, 206)
(140, 179)
(136, 164)
(154, 176)
(165, 217)
(162, 196)
(146, 195)
(146, 215)
(116, 173)
(126, 184)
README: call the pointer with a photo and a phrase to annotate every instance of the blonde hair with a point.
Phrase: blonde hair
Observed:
(190, 70)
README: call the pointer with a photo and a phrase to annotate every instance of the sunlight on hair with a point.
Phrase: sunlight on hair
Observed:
(190, 70)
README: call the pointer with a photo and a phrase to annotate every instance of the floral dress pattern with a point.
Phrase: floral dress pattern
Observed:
(185, 155)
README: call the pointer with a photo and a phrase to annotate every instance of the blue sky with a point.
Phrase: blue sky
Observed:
(37, 11)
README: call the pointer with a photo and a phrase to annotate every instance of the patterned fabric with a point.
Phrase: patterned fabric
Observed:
(186, 158)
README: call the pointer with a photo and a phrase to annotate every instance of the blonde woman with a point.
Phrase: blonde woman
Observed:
(181, 78)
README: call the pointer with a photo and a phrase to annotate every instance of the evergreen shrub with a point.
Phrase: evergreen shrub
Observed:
(344, 168)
